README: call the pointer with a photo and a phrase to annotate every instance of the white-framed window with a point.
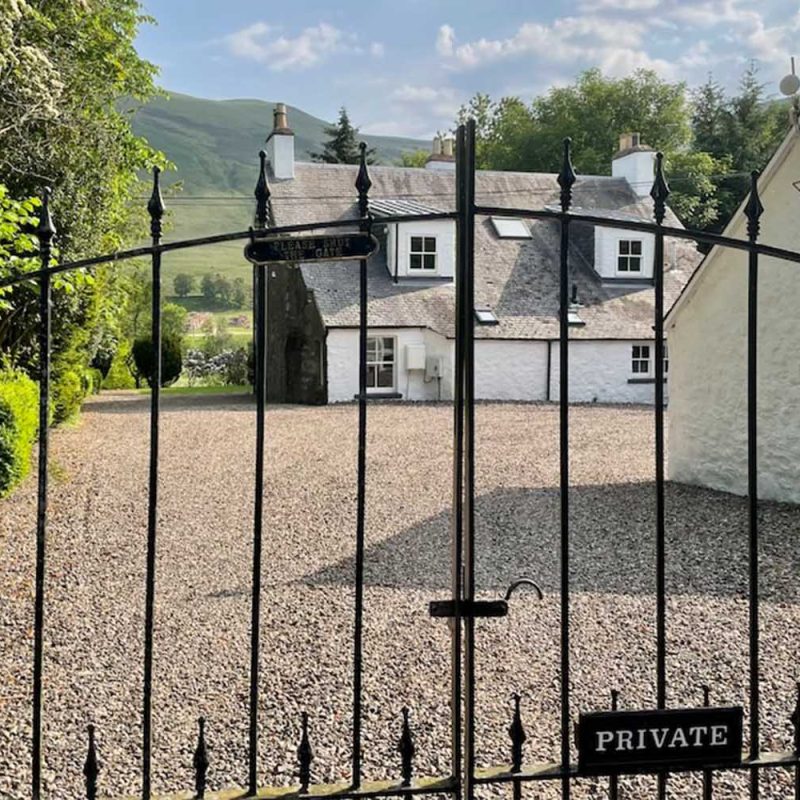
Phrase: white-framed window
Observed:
(643, 360)
(629, 257)
(422, 254)
(640, 360)
(380, 363)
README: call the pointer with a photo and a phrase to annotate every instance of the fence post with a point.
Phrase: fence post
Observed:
(45, 232)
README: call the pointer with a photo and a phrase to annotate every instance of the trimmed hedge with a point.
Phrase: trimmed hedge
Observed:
(19, 421)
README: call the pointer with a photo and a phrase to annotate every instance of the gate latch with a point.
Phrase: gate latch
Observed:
(481, 608)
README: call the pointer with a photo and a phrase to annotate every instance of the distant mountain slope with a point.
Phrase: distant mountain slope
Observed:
(215, 143)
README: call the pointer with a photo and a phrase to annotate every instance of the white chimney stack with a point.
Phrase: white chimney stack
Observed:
(441, 157)
(280, 145)
(635, 162)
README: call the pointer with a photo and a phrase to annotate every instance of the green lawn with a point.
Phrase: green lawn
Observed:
(201, 390)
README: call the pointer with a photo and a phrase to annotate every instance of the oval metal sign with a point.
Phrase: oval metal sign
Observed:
(305, 249)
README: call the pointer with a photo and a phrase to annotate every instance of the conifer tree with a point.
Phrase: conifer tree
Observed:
(342, 144)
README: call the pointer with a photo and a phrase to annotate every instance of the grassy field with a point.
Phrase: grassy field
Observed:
(214, 146)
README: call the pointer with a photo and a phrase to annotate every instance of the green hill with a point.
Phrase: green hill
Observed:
(214, 145)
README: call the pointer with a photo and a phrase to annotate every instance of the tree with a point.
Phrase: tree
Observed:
(238, 293)
(593, 111)
(208, 288)
(414, 158)
(342, 145)
(743, 131)
(184, 284)
(144, 363)
(66, 66)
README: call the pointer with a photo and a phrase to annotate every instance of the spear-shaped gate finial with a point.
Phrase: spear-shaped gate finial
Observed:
(660, 191)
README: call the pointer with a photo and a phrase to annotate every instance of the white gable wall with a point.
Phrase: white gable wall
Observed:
(708, 348)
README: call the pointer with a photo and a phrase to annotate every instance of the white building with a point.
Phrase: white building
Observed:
(707, 333)
(411, 292)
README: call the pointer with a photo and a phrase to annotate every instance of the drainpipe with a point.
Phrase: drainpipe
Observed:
(396, 250)
(549, 367)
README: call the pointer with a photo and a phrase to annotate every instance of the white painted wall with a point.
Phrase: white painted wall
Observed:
(708, 347)
(638, 169)
(504, 369)
(445, 233)
(606, 250)
(280, 152)
(510, 370)
(343, 363)
(600, 371)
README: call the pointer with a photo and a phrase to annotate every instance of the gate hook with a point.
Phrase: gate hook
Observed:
(524, 582)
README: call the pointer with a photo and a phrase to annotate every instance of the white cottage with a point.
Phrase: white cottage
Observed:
(411, 291)
(707, 333)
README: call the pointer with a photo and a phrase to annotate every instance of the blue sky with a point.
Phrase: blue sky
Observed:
(405, 67)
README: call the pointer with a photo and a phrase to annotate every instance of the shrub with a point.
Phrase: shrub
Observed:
(119, 375)
(19, 418)
(93, 381)
(171, 359)
(67, 393)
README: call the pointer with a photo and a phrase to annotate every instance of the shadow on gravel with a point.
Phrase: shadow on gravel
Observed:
(612, 544)
(129, 403)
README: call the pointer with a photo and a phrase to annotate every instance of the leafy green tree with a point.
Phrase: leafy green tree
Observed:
(238, 293)
(65, 68)
(208, 288)
(414, 158)
(342, 144)
(183, 284)
(593, 111)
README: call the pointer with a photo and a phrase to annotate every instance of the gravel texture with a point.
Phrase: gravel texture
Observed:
(95, 591)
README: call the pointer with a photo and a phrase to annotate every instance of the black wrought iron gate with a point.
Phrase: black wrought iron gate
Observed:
(463, 607)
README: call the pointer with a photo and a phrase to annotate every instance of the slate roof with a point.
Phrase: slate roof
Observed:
(517, 278)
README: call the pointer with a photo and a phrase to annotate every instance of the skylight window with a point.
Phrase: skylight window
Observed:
(485, 316)
(510, 228)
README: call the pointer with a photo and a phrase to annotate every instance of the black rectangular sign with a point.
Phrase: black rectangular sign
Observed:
(303, 249)
(612, 742)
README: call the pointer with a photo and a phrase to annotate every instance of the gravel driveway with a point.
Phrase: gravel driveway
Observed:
(95, 591)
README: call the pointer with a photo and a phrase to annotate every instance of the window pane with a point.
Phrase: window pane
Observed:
(371, 376)
(430, 244)
(416, 244)
(636, 248)
(385, 376)
(372, 348)
(645, 351)
(388, 347)
(622, 264)
(624, 247)
(635, 264)
(415, 261)
(430, 261)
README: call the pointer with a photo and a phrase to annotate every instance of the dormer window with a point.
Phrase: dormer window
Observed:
(629, 257)
(422, 254)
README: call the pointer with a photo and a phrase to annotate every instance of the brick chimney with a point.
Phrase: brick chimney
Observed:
(280, 145)
(635, 162)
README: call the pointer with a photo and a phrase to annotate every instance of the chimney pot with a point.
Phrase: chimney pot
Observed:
(447, 147)
(280, 144)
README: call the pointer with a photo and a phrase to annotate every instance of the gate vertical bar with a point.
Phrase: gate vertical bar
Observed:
(362, 184)
(260, 378)
(753, 212)
(566, 179)
(45, 231)
(660, 193)
(155, 208)
(468, 210)
(456, 521)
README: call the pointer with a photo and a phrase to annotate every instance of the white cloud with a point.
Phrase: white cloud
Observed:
(619, 5)
(262, 42)
(445, 41)
(377, 49)
(568, 40)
